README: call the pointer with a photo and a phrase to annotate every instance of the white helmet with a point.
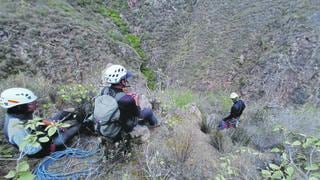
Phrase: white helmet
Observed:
(115, 73)
(16, 96)
(234, 95)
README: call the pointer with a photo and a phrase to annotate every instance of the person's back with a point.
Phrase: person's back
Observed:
(236, 109)
(128, 109)
(233, 119)
(116, 77)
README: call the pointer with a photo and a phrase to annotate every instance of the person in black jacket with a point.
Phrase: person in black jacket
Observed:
(233, 120)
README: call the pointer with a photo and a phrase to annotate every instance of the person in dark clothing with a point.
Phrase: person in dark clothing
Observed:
(117, 78)
(20, 104)
(233, 120)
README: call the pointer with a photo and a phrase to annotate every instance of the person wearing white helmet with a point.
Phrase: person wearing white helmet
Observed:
(20, 104)
(233, 120)
(117, 78)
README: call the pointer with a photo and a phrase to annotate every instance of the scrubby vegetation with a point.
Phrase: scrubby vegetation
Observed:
(187, 56)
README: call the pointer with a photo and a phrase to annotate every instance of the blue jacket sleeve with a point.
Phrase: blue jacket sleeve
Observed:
(17, 133)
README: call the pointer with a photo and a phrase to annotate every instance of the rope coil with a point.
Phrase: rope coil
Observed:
(72, 163)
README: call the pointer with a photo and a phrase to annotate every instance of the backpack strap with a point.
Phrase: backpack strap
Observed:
(111, 92)
(119, 95)
(105, 90)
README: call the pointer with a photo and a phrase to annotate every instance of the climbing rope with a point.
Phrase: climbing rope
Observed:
(72, 163)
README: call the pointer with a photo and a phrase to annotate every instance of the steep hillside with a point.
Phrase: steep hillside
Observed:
(63, 40)
(265, 49)
(187, 55)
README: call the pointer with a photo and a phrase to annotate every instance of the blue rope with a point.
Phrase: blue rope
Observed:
(42, 171)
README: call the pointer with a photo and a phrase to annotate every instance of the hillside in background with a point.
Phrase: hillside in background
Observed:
(188, 55)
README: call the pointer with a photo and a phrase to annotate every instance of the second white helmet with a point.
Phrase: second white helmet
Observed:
(115, 73)
(16, 96)
(234, 95)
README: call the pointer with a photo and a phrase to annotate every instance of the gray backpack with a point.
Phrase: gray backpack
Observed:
(106, 114)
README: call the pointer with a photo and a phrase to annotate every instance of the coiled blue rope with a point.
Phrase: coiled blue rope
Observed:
(87, 166)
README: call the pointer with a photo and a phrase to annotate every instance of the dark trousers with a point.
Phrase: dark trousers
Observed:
(148, 116)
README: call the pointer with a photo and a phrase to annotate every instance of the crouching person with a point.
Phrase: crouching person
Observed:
(20, 104)
(233, 120)
(124, 116)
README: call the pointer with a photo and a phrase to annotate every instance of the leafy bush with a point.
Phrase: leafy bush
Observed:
(39, 136)
(227, 171)
(135, 42)
(22, 171)
(75, 94)
(115, 16)
(151, 77)
(181, 100)
(300, 157)
(36, 136)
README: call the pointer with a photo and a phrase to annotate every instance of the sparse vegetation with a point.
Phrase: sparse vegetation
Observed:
(75, 95)
(198, 52)
(299, 157)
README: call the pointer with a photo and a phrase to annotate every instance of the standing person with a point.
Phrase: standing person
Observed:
(20, 104)
(117, 78)
(233, 120)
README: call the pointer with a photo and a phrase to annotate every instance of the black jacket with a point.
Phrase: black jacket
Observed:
(236, 110)
(129, 111)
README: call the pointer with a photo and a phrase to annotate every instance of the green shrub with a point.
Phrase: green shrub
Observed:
(115, 16)
(227, 170)
(300, 157)
(22, 171)
(75, 94)
(135, 42)
(181, 100)
(151, 77)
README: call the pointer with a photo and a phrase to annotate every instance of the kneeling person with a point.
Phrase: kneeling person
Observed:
(117, 78)
(20, 104)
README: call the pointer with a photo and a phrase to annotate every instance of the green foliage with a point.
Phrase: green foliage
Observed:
(22, 172)
(135, 42)
(75, 94)
(181, 100)
(36, 136)
(115, 16)
(299, 154)
(151, 77)
(227, 170)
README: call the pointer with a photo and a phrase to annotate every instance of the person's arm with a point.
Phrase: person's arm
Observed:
(18, 134)
(128, 104)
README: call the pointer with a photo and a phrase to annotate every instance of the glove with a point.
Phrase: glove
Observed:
(47, 122)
